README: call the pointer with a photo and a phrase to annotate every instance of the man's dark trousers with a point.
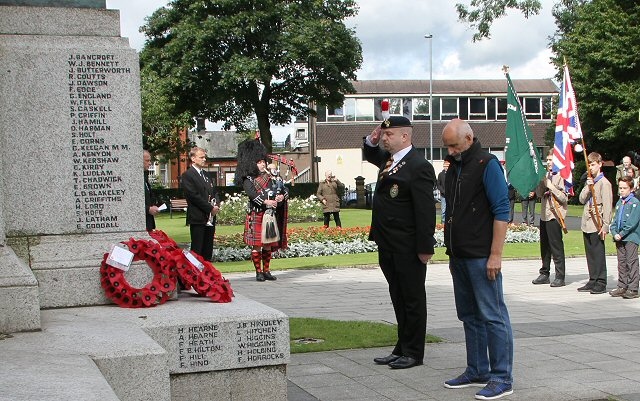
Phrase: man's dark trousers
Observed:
(202, 240)
(552, 246)
(406, 275)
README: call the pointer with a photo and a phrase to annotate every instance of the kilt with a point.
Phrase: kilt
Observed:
(253, 229)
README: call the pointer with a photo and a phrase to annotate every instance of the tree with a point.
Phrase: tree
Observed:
(600, 41)
(229, 60)
(484, 12)
(161, 128)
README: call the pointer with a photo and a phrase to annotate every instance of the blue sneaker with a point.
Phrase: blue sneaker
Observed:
(463, 381)
(494, 390)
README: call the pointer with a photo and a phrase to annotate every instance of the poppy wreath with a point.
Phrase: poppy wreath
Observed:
(207, 282)
(158, 291)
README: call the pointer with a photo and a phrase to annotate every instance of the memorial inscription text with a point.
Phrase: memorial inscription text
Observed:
(97, 182)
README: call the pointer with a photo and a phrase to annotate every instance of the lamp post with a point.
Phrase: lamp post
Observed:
(430, 37)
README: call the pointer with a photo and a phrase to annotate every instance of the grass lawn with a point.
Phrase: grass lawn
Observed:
(315, 335)
(177, 229)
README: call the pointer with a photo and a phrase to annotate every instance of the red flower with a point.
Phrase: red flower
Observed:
(167, 284)
(135, 246)
(149, 298)
(152, 288)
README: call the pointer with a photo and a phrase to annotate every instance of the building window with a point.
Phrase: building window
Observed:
(501, 108)
(395, 107)
(421, 109)
(358, 109)
(477, 108)
(335, 114)
(532, 107)
(448, 108)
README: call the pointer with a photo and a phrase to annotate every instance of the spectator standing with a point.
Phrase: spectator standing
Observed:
(402, 225)
(150, 208)
(634, 177)
(477, 192)
(529, 208)
(595, 225)
(621, 169)
(553, 210)
(202, 204)
(328, 194)
(443, 202)
(625, 229)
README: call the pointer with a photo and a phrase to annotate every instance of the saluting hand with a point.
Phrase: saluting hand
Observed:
(374, 137)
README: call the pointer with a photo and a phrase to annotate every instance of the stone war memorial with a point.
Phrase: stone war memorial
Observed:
(71, 174)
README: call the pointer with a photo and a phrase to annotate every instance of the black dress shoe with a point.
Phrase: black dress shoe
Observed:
(404, 362)
(542, 279)
(385, 360)
(269, 276)
(586, 288)
(557, 283)
(260, 276)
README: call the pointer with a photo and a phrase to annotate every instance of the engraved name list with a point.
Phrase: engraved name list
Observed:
(97, 180)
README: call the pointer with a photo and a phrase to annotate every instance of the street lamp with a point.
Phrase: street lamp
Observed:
(430, 37)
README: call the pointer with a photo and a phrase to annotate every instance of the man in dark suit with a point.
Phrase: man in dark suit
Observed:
(402, 224)
(200, 192)
(150, 208)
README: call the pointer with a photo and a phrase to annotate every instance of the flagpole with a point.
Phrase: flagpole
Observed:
(586, 160)
(556, 207)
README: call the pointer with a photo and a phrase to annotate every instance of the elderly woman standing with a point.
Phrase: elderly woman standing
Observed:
(328, 194)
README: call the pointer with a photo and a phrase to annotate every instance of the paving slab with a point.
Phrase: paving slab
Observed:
(569, 346)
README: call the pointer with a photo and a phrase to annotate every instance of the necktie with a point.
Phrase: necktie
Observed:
(386, 167)
(204, 177)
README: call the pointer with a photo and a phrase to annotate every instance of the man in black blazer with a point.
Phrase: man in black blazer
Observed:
(402, 224)
(150, 208)
(200, 192)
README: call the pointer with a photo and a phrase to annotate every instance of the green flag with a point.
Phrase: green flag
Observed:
(524, 167)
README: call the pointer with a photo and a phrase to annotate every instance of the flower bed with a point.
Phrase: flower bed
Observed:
(233, 210)
(318, 241)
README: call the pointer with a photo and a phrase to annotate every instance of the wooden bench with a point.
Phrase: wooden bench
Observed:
(177, 204)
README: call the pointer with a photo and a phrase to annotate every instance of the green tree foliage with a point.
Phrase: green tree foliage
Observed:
(481, 13)
(600, 40)
(161, 128)
(227, 60)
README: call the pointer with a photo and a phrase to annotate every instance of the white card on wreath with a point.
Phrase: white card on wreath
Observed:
(193, 260)
(120, 257)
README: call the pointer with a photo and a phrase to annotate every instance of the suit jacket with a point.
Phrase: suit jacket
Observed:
(198, 193)
(404, 212)
(148, 202)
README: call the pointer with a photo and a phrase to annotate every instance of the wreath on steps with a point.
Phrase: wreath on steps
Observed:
(168, 263)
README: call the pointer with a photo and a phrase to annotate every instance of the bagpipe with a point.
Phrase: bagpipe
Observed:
(291, 166)
(278, 159)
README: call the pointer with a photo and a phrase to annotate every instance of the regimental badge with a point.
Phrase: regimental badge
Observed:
(386, 123)
(394, 190)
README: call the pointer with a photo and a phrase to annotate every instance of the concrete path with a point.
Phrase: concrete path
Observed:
(568, 345)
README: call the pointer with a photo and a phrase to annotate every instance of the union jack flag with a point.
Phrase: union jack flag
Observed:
(568, 131)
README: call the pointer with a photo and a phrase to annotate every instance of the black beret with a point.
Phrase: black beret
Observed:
(395, 122)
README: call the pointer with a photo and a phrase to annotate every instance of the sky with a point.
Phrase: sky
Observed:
(392, 33)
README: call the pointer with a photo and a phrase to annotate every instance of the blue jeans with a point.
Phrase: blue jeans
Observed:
(443, 209)
(481, 308)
